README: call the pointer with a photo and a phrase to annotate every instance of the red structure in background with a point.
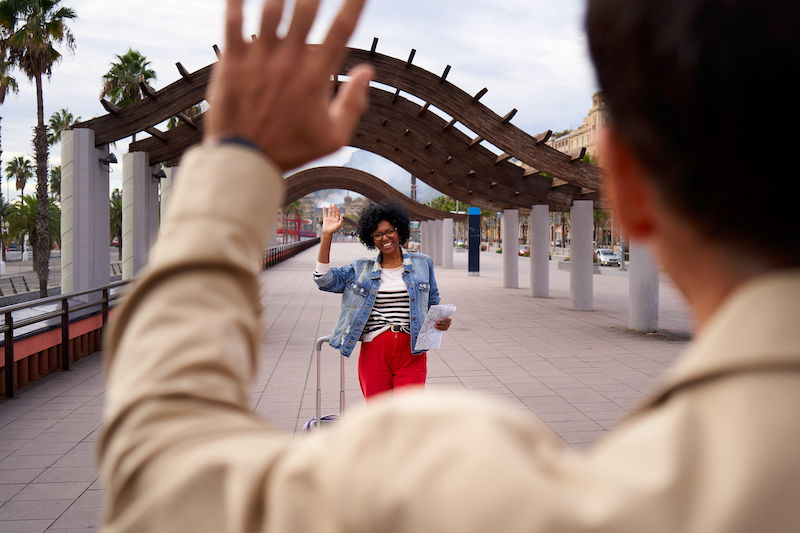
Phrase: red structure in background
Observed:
(289, 228)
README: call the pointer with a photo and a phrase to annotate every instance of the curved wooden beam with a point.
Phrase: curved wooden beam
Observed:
(350, 179)
(408, 134)
(393, 128)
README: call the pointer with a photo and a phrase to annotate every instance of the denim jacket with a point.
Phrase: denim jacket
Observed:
(360, 280)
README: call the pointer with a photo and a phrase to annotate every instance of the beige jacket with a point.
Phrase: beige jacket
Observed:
(182, 451)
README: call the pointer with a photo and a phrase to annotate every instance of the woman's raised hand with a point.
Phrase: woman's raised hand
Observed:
(331, 219)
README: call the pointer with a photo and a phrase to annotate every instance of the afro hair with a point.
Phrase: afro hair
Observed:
(388, 210)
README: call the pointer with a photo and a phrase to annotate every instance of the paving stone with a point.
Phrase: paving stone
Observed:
(25, 526)
(81, 518)
(61, 475)
(52, 491)
(33, 510)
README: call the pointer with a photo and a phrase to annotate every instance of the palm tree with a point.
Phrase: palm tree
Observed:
(29, 29)
(60, 121)
(55, 182)
(22, 220)
(20, 169)
(121, 82)
(7, 85)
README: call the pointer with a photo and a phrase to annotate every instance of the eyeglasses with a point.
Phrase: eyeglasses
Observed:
(389, 233)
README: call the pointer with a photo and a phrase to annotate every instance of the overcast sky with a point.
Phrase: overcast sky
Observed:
(530, 54)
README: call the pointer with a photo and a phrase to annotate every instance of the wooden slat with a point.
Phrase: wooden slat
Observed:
(509, 116)
(443, 77)
(186, 120)
(577, 154)
(558, 183)
(217, 51)
(410, 58)
(530, 172)
(396, 94)
(184, 73)
(111, 108)
(427, 145)
(148, 91)
(449, 125)
(423, 109)
(157, 134)
(475, 141)
(374, 46)
(480, 94)
(542, 137)
(502, 157)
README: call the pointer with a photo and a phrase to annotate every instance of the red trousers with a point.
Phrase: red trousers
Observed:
(386, 363)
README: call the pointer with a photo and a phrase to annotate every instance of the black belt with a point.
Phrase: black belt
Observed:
(394, 328)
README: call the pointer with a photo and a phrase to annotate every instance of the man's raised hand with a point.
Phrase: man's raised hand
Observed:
(276, 91)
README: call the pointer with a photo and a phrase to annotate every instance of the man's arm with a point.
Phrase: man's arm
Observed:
(179, 433)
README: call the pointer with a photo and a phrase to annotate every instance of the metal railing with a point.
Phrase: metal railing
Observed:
(20, 281)
(272, 256)
(7, 329)
(276, 254)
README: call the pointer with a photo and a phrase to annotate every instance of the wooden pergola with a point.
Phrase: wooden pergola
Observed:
(421, 141)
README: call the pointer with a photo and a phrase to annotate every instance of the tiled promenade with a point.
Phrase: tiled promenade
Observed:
(580, 372)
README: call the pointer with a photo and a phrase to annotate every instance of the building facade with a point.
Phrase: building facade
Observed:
(588, 134)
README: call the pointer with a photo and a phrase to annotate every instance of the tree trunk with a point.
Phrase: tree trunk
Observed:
(41, 246)
(2, 243)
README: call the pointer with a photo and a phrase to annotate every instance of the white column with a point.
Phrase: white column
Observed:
(642, 289)
(540, 251)
(166, 189)
(580, 263)
(510, 233)
(85, 232)
(428, 238)
(447, 243)
(139, 212)
(438, 228)
(422, 228)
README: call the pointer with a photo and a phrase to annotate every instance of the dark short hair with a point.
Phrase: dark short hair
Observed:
(388, 210)
(701, 92)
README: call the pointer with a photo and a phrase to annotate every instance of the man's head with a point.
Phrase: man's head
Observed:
(701, 95)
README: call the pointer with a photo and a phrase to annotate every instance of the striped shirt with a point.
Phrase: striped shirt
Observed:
(391, 304)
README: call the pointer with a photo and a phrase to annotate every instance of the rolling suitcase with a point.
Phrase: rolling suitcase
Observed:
(321, 421)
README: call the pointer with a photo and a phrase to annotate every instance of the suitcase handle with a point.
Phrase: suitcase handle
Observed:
(318, 347)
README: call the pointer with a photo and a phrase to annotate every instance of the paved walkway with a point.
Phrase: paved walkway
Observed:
(579, 372)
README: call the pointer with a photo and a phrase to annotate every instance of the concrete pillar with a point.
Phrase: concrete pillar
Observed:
(429, 238)
(85, 232)
(540, 251)
(581, 254)
(447, 243)
(422, 228)
(166, 189)
(438, 228)
(642, 289)
(139, 212)
(510, 229)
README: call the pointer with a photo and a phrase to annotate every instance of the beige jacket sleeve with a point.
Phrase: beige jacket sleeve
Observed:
(182, 450)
